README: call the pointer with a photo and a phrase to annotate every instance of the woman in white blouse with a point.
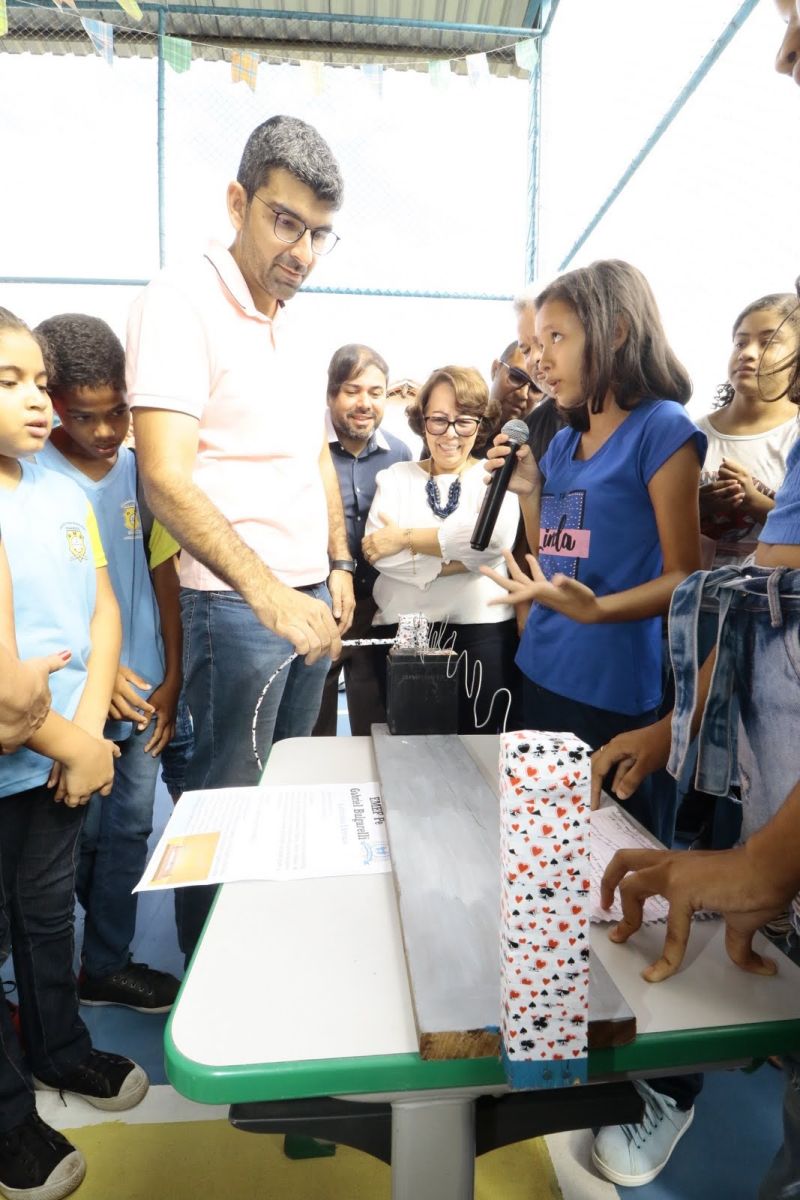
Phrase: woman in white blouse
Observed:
(418, 538)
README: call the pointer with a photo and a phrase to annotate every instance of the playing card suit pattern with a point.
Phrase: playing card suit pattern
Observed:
(544, 952)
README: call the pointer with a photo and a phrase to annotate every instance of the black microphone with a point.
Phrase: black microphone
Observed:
(517, 434)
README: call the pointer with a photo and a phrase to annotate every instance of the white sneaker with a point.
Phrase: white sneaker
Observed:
(632, 1155)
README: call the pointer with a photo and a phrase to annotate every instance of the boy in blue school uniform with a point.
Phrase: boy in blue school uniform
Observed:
(63, 604)
(87, 386)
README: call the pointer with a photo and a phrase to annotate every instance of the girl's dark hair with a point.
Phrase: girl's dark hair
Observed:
(85, 352)
(472, 399)
(787, 306)
(9, 320)
(610, 297)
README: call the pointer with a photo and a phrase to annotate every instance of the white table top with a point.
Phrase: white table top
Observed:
(314, 969)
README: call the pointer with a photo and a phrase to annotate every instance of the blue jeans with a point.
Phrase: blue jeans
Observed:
(175, 756)
(751, 720)
(752, 714)
(38, 857)
(228, 656)
(113, 853)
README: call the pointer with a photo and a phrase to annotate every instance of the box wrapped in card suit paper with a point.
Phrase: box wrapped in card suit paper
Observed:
(545, 799)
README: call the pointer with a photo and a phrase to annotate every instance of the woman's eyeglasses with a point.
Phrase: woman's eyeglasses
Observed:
(464, 426)
(517, 376)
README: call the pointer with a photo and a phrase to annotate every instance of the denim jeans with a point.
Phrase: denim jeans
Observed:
(175, 756)
(38, 857)
(751, 720)
(228, 656)
(113, 853)
(752, 714)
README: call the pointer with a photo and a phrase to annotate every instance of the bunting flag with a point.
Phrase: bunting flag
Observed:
(101, 35)
(439, 73)
(177, 52)
(244, 67)
(60, 4)
(477, 68)
(314, 72)
(3, 18)
(373, 73)
(131, 7)
(526, 54)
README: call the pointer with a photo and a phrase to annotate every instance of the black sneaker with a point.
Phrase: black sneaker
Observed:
(37, 1163)
(107, 1081)
(135, 986)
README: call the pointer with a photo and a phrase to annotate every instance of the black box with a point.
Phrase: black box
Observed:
(421, 697)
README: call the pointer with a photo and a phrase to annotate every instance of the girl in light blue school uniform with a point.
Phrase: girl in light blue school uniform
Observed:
(62, 599)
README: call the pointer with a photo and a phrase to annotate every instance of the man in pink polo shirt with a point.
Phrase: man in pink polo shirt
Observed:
(235, 462)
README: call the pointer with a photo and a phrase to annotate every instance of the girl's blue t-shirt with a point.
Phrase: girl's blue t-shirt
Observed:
(54, 580)
(598, 526)
(782, 526)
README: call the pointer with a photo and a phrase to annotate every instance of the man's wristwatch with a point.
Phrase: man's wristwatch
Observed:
(343, 564)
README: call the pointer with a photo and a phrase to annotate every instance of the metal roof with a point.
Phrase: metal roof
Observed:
(397, 33)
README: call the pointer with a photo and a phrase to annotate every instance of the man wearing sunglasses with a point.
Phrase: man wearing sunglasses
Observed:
(235, 463)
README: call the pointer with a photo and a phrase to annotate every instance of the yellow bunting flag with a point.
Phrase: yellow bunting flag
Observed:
(131, 8)
(3, 18)
(244, 67)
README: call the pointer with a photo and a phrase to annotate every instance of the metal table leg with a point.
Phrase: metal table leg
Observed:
(433, 1148)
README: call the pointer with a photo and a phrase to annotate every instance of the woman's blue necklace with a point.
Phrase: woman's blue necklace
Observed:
(453, 497)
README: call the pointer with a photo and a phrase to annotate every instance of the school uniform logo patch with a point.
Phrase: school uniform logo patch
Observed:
(131, 519)
(76, 541)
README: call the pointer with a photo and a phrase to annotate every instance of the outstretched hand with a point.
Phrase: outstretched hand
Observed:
(561, 593)
(719, 880)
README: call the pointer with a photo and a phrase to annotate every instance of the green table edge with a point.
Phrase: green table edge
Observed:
(408, 1072)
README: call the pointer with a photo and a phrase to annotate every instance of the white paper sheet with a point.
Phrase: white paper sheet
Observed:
(611, 831)
(235, 834)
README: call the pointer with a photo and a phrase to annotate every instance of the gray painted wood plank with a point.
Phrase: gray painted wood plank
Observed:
(444, 834)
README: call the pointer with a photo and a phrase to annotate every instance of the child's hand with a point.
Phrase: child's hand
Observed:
(720, 496)
(562, 594)
(735, 474)
(28, 702)
(90, 769)
(164, 703)
(126, 703)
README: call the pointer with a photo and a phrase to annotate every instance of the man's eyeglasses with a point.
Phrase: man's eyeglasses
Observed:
(517, 376)
(290, 229)
(464, 426)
